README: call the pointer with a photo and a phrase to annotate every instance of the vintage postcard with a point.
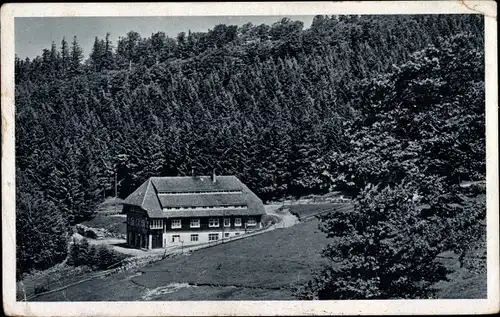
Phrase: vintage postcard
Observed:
(288, 158)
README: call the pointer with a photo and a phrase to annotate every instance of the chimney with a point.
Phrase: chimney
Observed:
(214, 177)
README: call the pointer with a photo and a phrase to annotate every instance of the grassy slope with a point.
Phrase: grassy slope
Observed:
(112, 223)
(276, 259)
(263, 267)
(462, 283)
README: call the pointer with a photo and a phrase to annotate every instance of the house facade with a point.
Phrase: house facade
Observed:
(168, 211)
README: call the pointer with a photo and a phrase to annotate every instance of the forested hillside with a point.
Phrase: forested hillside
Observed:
(416, 156)
(274, 105)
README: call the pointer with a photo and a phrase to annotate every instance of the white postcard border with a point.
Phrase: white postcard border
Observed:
(208, 308)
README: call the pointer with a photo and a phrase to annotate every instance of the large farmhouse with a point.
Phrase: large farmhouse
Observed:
(189, 210)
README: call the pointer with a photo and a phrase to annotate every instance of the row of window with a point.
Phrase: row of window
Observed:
(156, 224)
(206, 207)
(194, 223)
(195, 237)
(213, 222)
(230, 191)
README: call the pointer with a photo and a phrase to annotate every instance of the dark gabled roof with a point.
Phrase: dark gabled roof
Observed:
(145, 197)
(149, 197)
(197, 183)
(199, 200)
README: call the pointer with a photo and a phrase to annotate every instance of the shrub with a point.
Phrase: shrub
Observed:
(86, 232)
(98, 258)
(269, 220)
(40, 289)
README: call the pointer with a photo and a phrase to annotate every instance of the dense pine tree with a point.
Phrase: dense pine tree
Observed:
(76, 57)
(418, 136)
(65, 57)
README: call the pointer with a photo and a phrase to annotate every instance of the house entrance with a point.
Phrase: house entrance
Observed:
(156, 239)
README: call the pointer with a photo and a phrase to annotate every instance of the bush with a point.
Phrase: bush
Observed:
(98, 258)
(78, 252)
(269, 220)
(40, 289)
(86, 232)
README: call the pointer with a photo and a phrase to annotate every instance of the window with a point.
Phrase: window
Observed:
(237, 233)
(176, 224)
(227, 222)
(194, 237)
(176, 238)
(213, 222)
(226, 234)
(156, 224)
(251, 221)
(195, 223)
(213, 236)
(237, 222)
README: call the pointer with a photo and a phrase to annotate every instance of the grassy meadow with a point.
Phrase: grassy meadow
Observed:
(262, 267)
(266, 266)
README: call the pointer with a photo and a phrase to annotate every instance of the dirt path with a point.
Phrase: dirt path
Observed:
(287, 219)
(118, 245)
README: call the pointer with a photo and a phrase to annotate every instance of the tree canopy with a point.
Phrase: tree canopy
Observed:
(419, 134)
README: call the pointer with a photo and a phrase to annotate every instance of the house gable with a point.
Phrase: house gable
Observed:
(170, 197)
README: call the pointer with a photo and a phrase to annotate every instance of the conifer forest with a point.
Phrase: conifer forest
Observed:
(388, 109)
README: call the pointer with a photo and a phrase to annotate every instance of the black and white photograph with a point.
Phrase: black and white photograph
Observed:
(247, 158)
